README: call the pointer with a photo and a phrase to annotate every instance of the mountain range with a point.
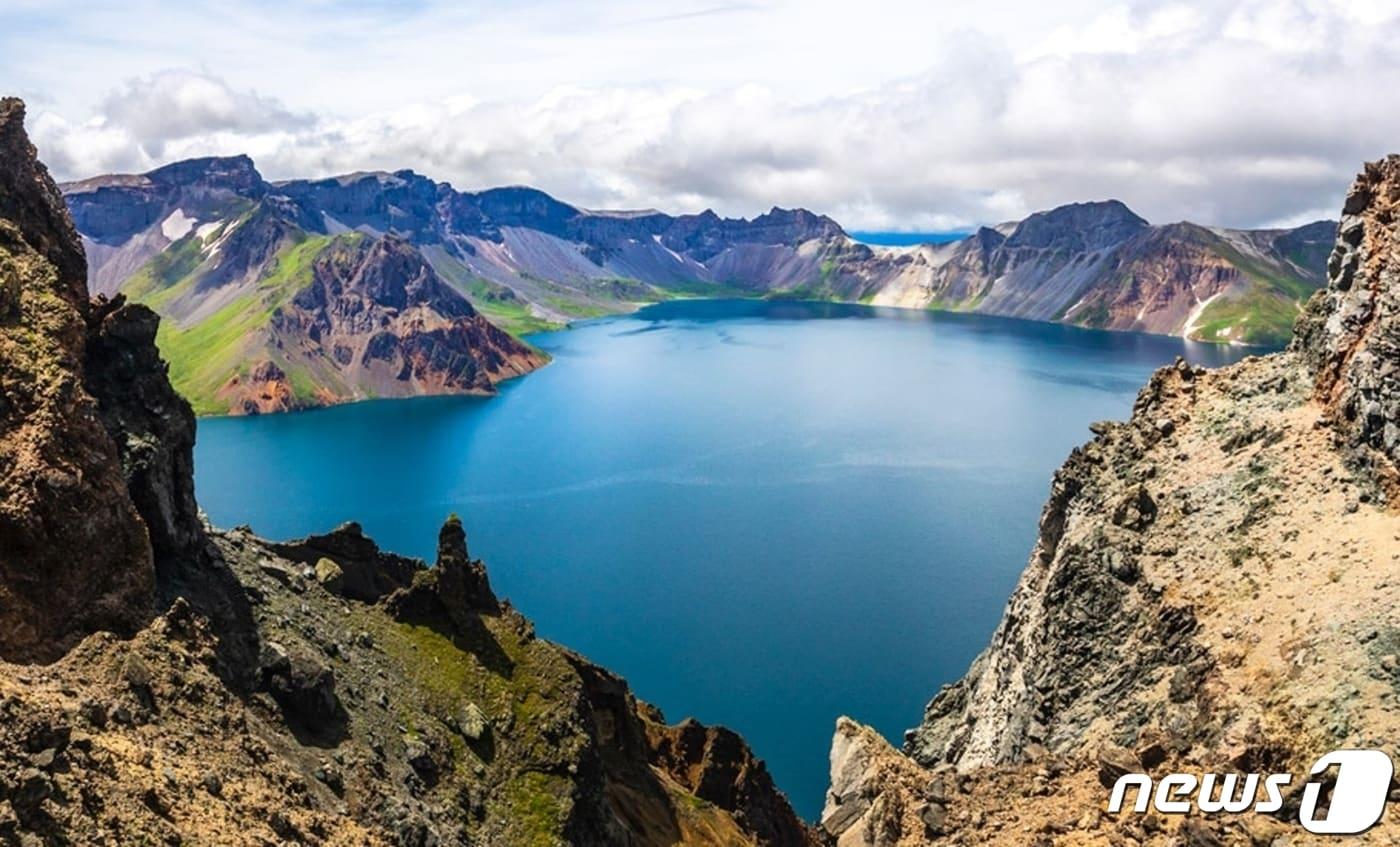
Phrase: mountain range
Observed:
(304, 292)
(1211, 592)
(165, 682)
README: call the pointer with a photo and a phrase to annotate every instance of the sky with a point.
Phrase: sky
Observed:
(885, 114)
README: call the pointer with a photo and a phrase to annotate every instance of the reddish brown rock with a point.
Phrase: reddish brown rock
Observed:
(263, 390)
(716, 765)
(75, 555)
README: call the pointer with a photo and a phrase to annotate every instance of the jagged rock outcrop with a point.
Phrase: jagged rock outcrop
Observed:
(1081, 627)
(367, 573)
(263, 390)
(456, 586)
(75, 555)
(320, 691)
(1350, 334)
(716, 765)
(876, 795)
(1212, 590)
(152, 426)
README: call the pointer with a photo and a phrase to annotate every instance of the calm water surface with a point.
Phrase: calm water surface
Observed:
(764, 515)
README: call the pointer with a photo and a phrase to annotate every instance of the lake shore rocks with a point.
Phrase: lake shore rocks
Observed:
(164, 682)
(1212, 591)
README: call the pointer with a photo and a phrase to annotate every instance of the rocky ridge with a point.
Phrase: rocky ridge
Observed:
(164, 682)
(529, 261)
(266, 310)
(374, 319)
(1213, 590)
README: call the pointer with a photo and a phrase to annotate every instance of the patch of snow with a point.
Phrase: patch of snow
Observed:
(678, 257)
(1080, 302)
(177, 225)
(1201, 306)
(213, 249)
(206, 230)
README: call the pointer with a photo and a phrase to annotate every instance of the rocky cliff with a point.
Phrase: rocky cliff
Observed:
(163, 682)
(529, 261)
(1350, 335)
(1213, 590)
(373, 319)
(266, 309)
(60, 471)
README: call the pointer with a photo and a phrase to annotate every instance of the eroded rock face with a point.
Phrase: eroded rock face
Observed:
(1350, 333)
(1211, 591)
(367, 573)
(75, 555)
(264, 390)
(461, 581)
(389, 322)
(1079, 627)
(875, 793)
(717, 766)
(152, 426)
(316, 692)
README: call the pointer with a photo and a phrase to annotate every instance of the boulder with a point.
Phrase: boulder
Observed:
(472, 722)
(1136, 511)
(304, 688)
(330, 575)
(1115, 762)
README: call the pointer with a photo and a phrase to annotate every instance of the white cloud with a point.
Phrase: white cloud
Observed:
(175, 105)
(1242, 113)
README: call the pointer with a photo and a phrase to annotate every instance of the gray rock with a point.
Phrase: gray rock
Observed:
(330, 575)
(32, 787)
(472, 722)
(420, 758)
(935, 818)
(1115, 762)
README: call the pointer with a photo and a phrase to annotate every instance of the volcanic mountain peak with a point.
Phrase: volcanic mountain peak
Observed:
(212, 229)
(1079, 227)
(1212, 591)
(235, 173)
(319, 691)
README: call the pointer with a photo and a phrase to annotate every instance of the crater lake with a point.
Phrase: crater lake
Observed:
(762, 514)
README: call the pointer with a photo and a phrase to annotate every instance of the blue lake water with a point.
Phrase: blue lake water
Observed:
(763, 514)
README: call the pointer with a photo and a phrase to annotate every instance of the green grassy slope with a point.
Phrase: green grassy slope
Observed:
(1264, 314)
(203, 355)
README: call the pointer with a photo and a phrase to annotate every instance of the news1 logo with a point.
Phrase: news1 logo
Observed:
(1356, 803)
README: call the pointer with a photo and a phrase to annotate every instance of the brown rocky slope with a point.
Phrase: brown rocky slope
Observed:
(374, 319)
(162, 682)
(59, 468)
(1214, 589)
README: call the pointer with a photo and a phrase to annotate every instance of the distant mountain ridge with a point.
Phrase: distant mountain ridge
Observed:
(267, 310)
(191, 237)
